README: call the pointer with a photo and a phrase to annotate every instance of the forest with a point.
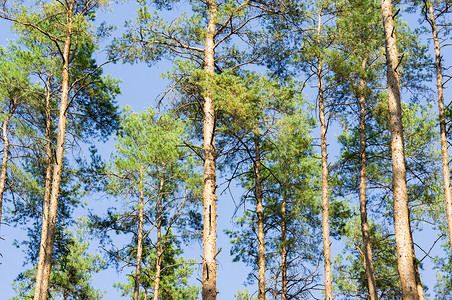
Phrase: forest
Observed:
(230, 149)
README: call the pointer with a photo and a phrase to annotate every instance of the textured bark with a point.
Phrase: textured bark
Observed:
(5, 153)
(45, 265)
(442, 120)
(158, 264)
(404, 242)
(325, 201)
(136, 289)
(209, 234)
(284, 247)
(260, 220)
(47, 187)
(367, 249)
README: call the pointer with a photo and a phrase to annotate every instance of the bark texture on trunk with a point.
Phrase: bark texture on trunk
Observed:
(160, 243)
(47, 187)
(284, 247)
(442, 119)
(136, 289)
(325, 201)
(324, 154)
(367, 249)
(45, 265)
(260, 220)
(5, 153)
(209, 234)
(404, 242)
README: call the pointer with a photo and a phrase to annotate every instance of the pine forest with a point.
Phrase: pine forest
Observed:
(225, 149)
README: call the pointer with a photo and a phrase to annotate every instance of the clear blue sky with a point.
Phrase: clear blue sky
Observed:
(140, 86)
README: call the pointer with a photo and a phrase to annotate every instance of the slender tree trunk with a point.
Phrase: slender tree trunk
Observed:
(158, 264)
(5, 153)
(284, 246)
(442, 120)
(48, 181)
(209, 234)
(404, 242)
(45, 266)
(260, 220)
(136, 289)
(420, 289)
(325, 200)
(368, 262)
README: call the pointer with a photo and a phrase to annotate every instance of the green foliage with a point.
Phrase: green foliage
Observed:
(71, 275)
(349, 276)
(174, 278)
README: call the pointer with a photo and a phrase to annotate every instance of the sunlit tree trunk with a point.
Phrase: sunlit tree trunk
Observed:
(284, 246)
(48, 182)
(5, 153)
(404, 242)
(136, 289)
(442, 120)
(325, 196)
(45, 265)
(209, 234)
(367, 250)
(260, 220)
(160, 242)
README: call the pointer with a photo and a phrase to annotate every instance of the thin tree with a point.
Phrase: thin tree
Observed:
(431, 19)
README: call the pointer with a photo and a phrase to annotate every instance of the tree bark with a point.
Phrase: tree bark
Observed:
(404, 242)
(209, 274)
(5, 153)
(324, 153)
(47, 187)
(283, 247)
(260, 219)
(325, 202)
(368, 262)
(158, 264)
(45, 265)
(136, 289)
(442, 120)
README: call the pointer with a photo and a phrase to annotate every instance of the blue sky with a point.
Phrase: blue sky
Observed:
(140, 86)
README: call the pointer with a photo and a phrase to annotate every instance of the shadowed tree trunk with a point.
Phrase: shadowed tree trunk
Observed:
(367, 251)
(209, 234)
(442, 118)
(404, 243)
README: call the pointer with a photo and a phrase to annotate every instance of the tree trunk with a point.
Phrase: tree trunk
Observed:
(5, 153)
(325, 202)
(442, 120)
(367, 251)
(136, 289)
(404, 242)
(45, 265)
(283, 247)
(209, 234)
(260, 220)
(324, 153)
(48, 181)
(158, 264)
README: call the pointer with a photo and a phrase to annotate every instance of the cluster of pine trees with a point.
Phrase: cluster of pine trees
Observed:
(254, 87)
